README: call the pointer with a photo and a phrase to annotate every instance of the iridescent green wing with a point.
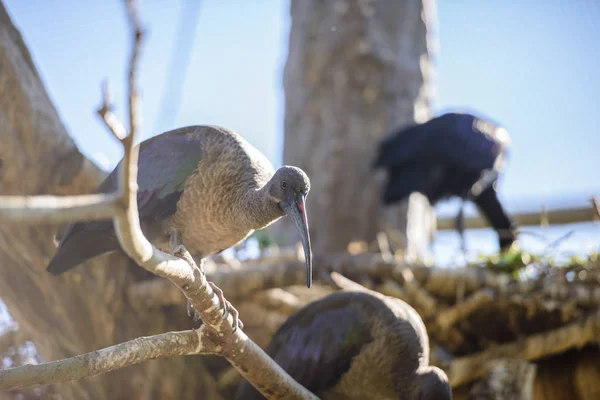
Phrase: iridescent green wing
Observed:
(165, 163)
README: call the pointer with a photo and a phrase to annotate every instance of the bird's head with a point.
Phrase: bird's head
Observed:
(288, 189)
(433, 384)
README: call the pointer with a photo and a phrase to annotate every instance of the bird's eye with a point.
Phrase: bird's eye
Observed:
(284, 184)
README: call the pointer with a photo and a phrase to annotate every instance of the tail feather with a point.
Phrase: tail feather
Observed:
(77, 247)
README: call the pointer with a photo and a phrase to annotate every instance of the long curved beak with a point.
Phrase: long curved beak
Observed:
(296, 210)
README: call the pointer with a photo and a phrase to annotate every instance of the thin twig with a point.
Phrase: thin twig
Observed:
(232, 343)
(101, 361)
(557, 216)
(58, 209)
(134, 99)
(555, 243)
(110, 120)
(461, 311)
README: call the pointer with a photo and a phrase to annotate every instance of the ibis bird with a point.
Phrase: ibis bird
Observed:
(203, 187)
(455, 154)
(356, 345)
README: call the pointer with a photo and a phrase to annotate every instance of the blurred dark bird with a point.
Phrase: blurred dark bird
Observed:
(204, 187)
(355, 345)
(455, 154)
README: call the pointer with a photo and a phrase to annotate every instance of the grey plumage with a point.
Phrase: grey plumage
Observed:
(204, 187)
(357, 345)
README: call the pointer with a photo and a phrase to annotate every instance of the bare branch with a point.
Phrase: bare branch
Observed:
(249, 359)
(558, 216)
(238, 283)
(101, 361)
(134, 99)
(448, 317)
(110, 120)
(216, 336)
(58, 209)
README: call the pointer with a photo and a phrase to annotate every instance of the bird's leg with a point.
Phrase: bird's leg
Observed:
(461, 229)
(176, 245)
(179, 250)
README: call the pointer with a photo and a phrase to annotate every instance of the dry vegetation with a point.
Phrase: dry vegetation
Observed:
(479, 317)
(486, 323)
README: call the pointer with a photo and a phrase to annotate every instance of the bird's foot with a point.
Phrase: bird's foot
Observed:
(181, 252)
(227, 307)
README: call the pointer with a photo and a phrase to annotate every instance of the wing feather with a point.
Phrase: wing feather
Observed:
(317, 344)
(165, 163)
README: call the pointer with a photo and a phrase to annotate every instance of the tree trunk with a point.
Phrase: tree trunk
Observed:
(355, 71)
(84, 309)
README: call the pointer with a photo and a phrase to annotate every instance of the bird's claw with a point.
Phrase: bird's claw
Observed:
(227, 307)
(181, 252)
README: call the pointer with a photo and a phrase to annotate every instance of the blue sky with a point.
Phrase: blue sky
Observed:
(533, 66)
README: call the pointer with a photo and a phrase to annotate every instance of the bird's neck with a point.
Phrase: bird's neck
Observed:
(259, 210)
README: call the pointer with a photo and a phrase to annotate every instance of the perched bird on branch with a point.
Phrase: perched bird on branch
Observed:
(455, 154)
(356, 345)
(203, 187)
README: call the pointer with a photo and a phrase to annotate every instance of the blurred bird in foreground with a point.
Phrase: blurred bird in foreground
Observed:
(357, 345)
(455, 154)
(202, 187)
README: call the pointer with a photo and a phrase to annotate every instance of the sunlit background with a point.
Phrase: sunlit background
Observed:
(532, 66)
